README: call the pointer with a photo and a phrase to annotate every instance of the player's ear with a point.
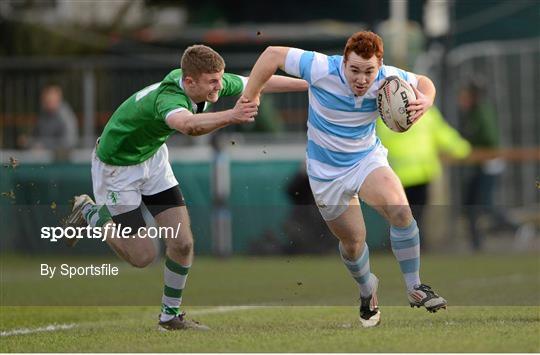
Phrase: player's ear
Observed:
(189, 81)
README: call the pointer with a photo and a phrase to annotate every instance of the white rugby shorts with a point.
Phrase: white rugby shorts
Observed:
(121, 187)
(333, 197)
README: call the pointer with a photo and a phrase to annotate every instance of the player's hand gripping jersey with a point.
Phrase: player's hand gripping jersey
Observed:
(341, 126)
(137, 128)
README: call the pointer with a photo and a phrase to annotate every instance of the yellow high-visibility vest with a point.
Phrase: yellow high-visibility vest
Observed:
(414, 154)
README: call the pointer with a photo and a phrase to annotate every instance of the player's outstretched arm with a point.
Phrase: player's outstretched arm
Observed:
(280, 83)
(203, 123)
(425, 96)
(267, 64)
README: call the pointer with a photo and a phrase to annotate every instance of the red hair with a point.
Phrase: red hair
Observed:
(365, 44)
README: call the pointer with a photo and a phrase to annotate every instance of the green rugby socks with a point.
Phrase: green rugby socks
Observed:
(175, 276)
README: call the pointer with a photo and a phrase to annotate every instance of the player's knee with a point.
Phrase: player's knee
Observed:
(142, 258)
(182, 248)
(400, 216)
(353, 248)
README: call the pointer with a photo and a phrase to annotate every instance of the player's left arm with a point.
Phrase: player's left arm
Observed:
(235, 84)
(280, 83)
(425, 96)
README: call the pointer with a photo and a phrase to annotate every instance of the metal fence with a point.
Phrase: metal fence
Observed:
(95, 87)
(511, 70)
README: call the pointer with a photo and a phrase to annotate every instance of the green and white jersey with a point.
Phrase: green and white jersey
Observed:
(137, 128)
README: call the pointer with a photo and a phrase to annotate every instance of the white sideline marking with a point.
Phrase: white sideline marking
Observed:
(223, 309)
(48, 328)
(57, 327)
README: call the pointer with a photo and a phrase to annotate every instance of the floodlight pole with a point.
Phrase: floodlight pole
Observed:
(89, 102)
(221, 188)
(398, 20)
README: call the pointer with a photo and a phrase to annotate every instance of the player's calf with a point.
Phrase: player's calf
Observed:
(142, 257)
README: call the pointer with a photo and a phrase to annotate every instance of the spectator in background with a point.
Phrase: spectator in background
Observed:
(414, 156)
(56, 128)
(478, 122)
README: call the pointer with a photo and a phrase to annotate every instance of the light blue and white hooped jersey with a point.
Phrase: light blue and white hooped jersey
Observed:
(341, 126)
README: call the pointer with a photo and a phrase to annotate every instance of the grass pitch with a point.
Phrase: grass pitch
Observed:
(304, 304)
(277, 329)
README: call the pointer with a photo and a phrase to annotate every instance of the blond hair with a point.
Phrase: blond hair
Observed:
(199, 59)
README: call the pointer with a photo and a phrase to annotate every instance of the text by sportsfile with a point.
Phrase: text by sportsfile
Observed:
(72, 271)
(108, 231)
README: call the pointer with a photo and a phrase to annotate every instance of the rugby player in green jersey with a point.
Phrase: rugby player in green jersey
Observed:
(130, 166)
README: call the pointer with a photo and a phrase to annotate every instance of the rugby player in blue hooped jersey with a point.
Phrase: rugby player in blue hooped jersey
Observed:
(346, 161)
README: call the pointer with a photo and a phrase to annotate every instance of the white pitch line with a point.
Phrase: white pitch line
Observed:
(56, 327)
(224, 309)
(48, 328)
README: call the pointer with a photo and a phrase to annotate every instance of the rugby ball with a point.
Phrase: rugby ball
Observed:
(393, 97)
